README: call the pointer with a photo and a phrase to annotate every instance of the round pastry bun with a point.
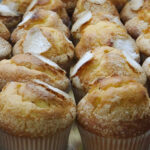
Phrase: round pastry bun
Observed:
(104, 62)
(115, 107)
(27, 67)
(47, 42)
(38, 18)
(106, 33)
(35, 109)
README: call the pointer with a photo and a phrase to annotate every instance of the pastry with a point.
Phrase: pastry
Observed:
(103, 62)
(36, 116)
(115, 114)
(27, 67)
(106, 33)
(48, 42)
(40, 18)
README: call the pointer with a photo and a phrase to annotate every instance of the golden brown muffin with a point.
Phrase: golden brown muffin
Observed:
(19, 5)
(54, 5)
(115, 107)
(9, 16)
(119, 3)
(94, 6)
(4, 33)
(87, 18)
(70, 5)
(5, 49)
(35, 109)
(141, 20)
(47, 42)
(104, 62)
(26, 67)
(39, 18)
(106, 33)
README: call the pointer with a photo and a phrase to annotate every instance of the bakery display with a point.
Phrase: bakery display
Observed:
(37, 114)
(55, 54)
(53, 45)
(101, 63)
(38, 18)
(115, 114)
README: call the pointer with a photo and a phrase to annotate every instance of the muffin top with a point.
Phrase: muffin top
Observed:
(26, 67)
(38, 17)
(94, 6)
(34, 109)
(104, 62)
(106, 33)
(115, 107)
(53, 45)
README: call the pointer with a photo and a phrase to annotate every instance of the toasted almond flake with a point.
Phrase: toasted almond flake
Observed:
(127, 45)
(27, 17)
(97, 1)
(86, 58)
(49, 62)
(52, 88)
(35, 42)
(32, 4)
(132, 62)
(114, 19)
(6, 11)
(67, 39)
(136, 4)
(85, 17)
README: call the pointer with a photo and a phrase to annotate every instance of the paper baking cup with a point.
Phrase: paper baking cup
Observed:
(58, 141)
(94, 142)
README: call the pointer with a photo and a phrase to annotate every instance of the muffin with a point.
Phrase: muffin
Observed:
(115, 114)
(106, 33)
(103, 62)
(140, 21)
(9, 16)
(38, 18)
(104, 6)
(4, 33)
(5, 49)
(27, 67)
(53, 45)
(35, 116)
(20, 5)
(54, 5)
(87, 18)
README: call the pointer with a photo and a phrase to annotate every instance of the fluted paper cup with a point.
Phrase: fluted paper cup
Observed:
(94, 142)
(58, 141)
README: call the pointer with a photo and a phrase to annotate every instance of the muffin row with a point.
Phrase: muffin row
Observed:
(36, 111)
(108, 82)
